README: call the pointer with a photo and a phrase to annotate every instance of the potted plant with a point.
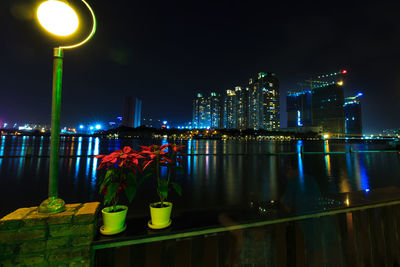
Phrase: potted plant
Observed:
(119, 171)
(158, 157)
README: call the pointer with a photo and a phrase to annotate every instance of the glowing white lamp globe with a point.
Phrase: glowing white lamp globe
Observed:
(57, 17)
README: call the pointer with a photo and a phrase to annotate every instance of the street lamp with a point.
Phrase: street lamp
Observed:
(60, 19)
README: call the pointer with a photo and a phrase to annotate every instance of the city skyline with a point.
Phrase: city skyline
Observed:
(164, 54)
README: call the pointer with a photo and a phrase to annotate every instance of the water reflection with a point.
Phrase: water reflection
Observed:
(39, 159)
(189, 158)
(94, 168)
(300, 161)
(273, 189)
(327, 159)
(20, 164)
(3, 141)
(361, 173)
(207, 159)
(89, 152)
(218, 173)
(164, 170)
(78, 158)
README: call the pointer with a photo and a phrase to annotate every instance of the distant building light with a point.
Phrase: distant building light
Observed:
(340, 83)
(98, 126)
(91, 127)
(81, 126)
(164, 122)
(344, 71)
(299, 123)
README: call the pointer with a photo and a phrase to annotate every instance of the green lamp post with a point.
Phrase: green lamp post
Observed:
(60, 19)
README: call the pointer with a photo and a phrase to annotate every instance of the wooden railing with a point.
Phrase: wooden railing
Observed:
(367, 235)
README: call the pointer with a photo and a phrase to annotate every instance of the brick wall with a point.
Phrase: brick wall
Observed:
(63, 239)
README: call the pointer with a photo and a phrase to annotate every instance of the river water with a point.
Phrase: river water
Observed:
(217, 173)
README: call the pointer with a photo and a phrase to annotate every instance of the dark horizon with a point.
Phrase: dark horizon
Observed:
(165, 53)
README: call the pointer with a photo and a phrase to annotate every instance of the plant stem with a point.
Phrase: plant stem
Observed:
(158, 178)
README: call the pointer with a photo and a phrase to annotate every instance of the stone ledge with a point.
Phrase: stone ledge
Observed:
(69, 254)
(56, 243)
(85, 213)
(81, 241)
(70, 230)
(9, 249)
(34, 246)
(17, 236)
(13, 220)
(29, 260)
(82, 263)
(28, 238)
(29, 217)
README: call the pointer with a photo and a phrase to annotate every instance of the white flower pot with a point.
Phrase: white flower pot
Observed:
(160, 217)
(114, 222)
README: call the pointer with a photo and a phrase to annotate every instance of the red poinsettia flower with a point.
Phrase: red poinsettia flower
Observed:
(127, 157)
(176, 148)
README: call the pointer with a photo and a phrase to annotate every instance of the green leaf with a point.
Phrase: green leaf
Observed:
(111, 192)
(107, 179)
(177, 188)
(163, 190)
(130, 190)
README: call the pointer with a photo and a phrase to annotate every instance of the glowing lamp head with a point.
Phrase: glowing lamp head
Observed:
(340, 83)
(57, 17)
(98, 126)
(344, 71)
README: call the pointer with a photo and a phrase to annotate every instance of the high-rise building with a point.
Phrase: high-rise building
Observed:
(319, 103)
(138, 113)
(242, 107)
(352, 114)
(264, 106)
(254, 107)
(201, 112)
(327, 108)
(254, 103)
(207, 111)
(215, 110)
(299, 109)
(270, 99)
(131, 116)
(230, 110)
(128, 112)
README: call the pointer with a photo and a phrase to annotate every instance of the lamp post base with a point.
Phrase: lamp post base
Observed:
(52, 205)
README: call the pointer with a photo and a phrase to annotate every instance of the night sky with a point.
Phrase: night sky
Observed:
(164, 52)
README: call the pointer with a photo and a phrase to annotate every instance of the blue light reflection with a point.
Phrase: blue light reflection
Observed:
(89, 152)
(96, 152)
(78, 158)
(3, 140)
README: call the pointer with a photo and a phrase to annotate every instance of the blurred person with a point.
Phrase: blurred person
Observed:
(302, 195)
